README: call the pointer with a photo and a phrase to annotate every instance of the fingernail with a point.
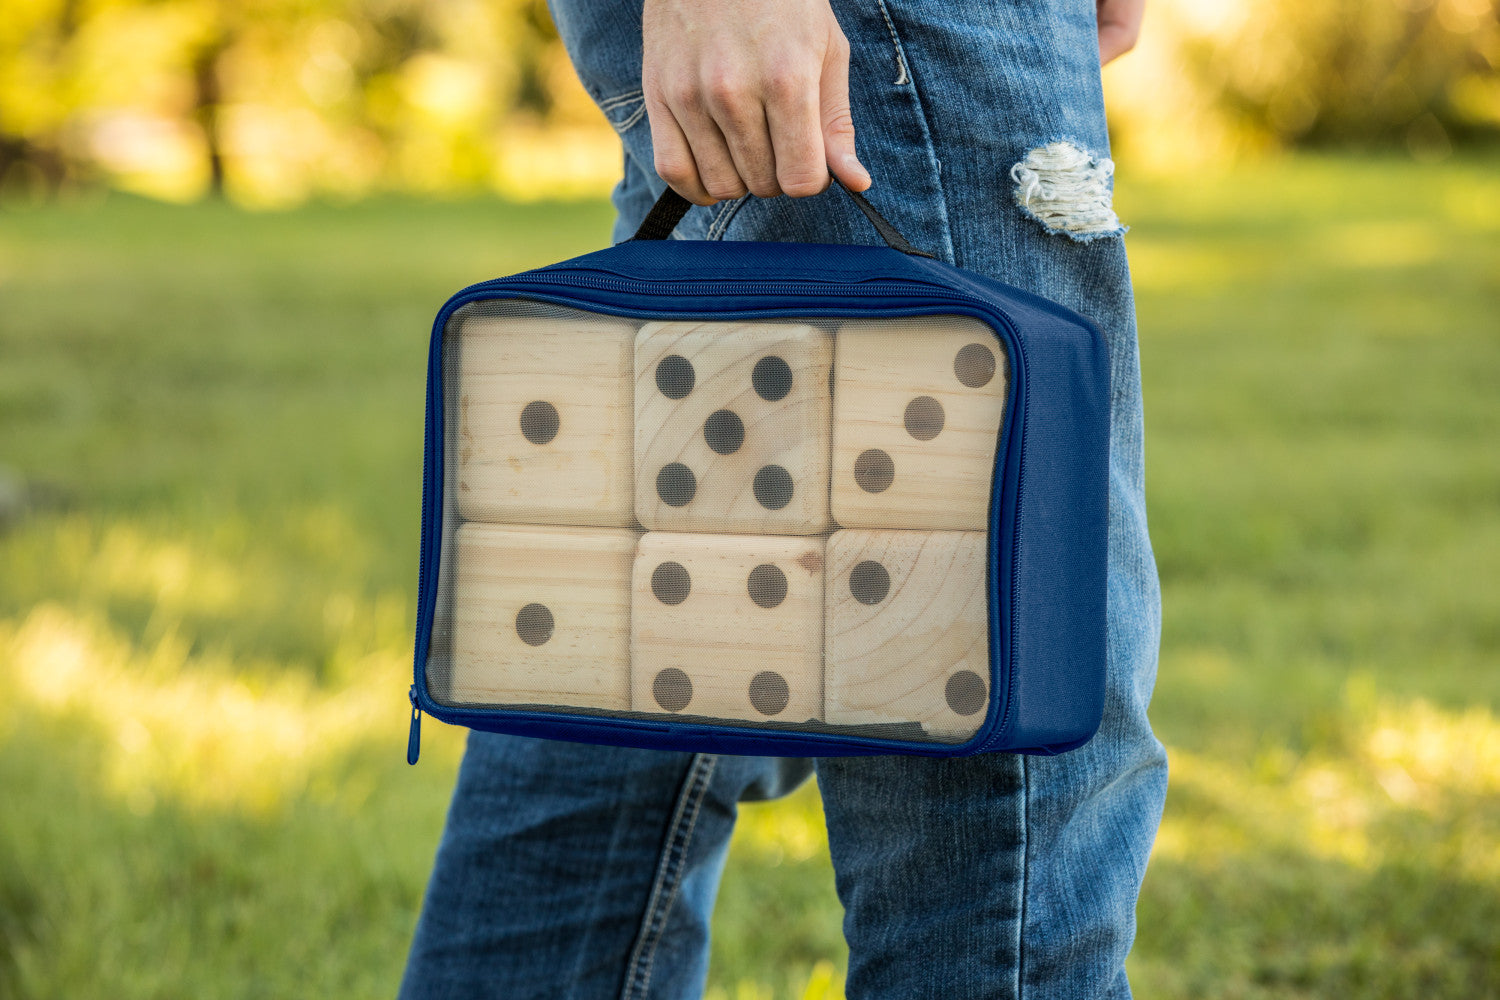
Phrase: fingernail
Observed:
(852, 164)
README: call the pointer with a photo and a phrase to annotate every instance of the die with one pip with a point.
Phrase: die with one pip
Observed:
(731, 427)
(917, 409)
(728, 626)
(544, 420)
(907, 630)
(541, 615)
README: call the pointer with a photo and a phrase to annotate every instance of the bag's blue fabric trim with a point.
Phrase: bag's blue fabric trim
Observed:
(743, 280)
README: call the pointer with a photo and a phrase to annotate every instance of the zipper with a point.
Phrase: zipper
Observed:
(414, 735)
(703, 287)
(932, 292)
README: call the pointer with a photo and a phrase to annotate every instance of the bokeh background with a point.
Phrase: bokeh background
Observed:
(224, 228)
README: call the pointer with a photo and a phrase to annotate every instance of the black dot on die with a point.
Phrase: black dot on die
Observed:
(539, 422)
(676, 485)
(670, 583)
(724, 431)
(965, 692)
(869, 582)
(534, 624)
(924, 418)
(772, 378)
(773, 487)
(769, 692)
(874, 471)
(767, 585)
(974, 365)
(672, 689)
(674, 376)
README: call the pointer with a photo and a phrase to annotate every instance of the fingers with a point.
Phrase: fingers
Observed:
(717, 170)
(1119, 27)
(742, 120)
(755, 99)
(797, 139)
(837, 120)
(674, 157)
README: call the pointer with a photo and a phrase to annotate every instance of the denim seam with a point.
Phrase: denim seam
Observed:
(720, 225)
(635, 116)
(1025, 875)
(904, 77)
(932, 158)
(618, 100)
(668, 876)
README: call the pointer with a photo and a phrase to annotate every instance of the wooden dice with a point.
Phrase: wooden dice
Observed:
(544, 420)
(917, 410)
(907, 630)
(541, 615)
(731, 427)
(728, 626)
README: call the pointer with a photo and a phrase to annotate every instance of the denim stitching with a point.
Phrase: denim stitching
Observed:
(903, 78)
(937, 167)
(635, 116)
(1025, 873)
(668, 875)
(619, 99)
(726, 215)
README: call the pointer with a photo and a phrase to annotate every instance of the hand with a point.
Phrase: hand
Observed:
(748, 95)
(1119, 27)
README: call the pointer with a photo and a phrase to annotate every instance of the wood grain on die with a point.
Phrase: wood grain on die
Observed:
(907, 630)
(728, 626)
(732, 427)
(544, 420)
(542, 616)
(917, 410)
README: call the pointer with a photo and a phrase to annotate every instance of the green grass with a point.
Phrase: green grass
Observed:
(205, 610)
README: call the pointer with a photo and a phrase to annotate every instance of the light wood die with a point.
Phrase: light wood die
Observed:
(541, 616)
(728, 626)
(544, 420)
(907, 630)
(917, 409)
(731, 427)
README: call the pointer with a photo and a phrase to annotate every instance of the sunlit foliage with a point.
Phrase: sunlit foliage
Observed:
(275, 101)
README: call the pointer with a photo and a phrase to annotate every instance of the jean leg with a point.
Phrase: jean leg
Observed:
(579, 872)
(998, 875)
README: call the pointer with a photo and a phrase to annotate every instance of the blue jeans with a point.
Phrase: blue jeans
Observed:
(585, 872)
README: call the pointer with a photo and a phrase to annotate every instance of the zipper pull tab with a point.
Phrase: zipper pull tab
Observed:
(414, 736)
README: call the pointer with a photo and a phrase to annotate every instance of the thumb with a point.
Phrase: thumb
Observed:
(838, 121)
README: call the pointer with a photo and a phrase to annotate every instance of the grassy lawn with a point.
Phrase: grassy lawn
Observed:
(205, 608)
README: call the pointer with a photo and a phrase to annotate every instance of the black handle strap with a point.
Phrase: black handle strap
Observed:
(671, 207)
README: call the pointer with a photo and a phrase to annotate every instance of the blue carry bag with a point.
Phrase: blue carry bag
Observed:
(764, 498)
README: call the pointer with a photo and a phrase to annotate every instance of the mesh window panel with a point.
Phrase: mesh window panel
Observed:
(773, 523)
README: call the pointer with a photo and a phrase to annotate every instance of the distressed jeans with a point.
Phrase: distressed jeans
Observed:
(572, 871)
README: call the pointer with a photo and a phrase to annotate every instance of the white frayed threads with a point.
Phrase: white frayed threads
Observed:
(1067, 191)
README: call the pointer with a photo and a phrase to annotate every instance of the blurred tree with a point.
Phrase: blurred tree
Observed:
(35, 39)
(271, 101)
(1359, 72)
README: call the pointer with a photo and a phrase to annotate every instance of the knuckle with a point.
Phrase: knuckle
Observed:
(673, 169)
(838, 121)
(681, 93)
(724, 190)
(764, 187)
(724, 91)
(803, 185)
(786, 85)
(721, 181)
